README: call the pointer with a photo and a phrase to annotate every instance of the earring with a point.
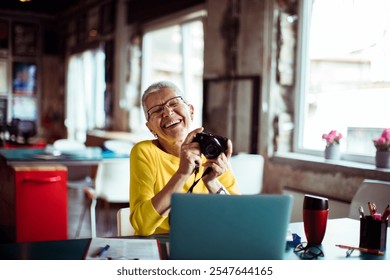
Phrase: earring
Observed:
(154, 134)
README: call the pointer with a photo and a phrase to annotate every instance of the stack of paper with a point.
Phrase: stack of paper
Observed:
(123, 249)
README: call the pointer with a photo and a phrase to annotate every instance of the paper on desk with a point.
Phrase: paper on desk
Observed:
(124, 249)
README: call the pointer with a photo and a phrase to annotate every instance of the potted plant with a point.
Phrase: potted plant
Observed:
(332, 149)
(382, 145)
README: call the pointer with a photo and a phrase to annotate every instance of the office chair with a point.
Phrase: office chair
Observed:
(124, 227)
(111, 186)
(248, 170)
(370, 191)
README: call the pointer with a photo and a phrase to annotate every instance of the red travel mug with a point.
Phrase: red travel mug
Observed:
(315, 217)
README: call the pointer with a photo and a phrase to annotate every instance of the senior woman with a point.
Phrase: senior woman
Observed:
(165, 165)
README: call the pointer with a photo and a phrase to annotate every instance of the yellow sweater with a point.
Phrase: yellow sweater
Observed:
(150, 170)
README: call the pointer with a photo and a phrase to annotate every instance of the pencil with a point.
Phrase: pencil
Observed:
(372, 208)
(365, 250)
(386, 213)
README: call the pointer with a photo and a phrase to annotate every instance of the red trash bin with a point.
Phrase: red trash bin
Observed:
(41, 203)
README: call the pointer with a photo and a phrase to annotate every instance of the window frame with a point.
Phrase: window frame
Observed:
(301, 85)
(181, 18)
(197, 13)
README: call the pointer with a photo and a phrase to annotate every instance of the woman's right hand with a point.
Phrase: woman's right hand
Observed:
(190, 156)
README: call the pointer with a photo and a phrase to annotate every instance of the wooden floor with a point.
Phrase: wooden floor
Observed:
(79, 226)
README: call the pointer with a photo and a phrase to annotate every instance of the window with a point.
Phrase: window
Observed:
(174, 52)
(344, 75)
(85, 93)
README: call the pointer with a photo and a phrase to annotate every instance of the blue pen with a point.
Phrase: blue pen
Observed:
(103, 250)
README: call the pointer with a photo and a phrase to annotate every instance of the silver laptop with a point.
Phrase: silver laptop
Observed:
(220, 227)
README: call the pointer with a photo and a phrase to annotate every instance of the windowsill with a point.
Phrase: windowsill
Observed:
(319, 164)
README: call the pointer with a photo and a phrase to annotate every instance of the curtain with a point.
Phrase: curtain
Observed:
(85, 93)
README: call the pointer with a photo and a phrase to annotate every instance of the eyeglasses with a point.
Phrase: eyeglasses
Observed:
(308, 252)
(171, 103)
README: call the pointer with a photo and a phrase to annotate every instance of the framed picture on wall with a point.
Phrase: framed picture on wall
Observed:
(4, 27)
(24, 78)
(24, 39)
(231, 109)
(3, 77)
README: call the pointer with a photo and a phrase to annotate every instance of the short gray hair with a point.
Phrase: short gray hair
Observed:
(156, 87)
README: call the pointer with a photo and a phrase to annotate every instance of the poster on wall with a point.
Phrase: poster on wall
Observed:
(24, 79)
(25, 39)
(24, 108)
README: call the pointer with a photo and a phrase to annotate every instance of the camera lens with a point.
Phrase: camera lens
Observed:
(212, 148)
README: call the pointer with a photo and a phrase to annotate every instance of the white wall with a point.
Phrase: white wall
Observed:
(337, 209)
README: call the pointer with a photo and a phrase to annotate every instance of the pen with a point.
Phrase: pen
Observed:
(103, 250)
(386, 213)
(365, 250)
(372, 208)
(361, 212)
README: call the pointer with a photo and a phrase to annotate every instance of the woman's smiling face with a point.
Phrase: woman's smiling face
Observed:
(172, 121)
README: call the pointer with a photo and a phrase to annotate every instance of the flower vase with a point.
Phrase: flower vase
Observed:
(332, 151)
(382, 159)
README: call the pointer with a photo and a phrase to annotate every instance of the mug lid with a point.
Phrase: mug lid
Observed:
(313, 202)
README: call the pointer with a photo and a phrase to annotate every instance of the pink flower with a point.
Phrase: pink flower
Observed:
(383, 142)
(333, 137)
(386, 134)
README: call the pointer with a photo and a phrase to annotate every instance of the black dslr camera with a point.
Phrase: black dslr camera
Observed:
(211, 145)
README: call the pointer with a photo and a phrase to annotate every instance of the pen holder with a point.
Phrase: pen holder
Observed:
(373, 233)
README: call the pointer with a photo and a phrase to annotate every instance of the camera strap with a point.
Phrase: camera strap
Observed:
(196, 170)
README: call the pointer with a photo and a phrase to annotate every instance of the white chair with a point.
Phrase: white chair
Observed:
(121, 147)
(111, 186)
(123, 224)
(370, 191)
(248, 170)
(68, 145)
(79, 177)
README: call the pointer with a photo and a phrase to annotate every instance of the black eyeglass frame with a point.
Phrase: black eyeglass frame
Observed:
(164, 105)
(306, 251)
